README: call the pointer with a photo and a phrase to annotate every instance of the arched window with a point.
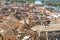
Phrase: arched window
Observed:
(0, 35)
(8, 39)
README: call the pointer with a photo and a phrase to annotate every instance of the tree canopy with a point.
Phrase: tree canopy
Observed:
(47, 2)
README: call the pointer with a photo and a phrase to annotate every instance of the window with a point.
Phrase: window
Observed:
(8, 39)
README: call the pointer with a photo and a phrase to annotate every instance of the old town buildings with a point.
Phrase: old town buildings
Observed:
(23, 21)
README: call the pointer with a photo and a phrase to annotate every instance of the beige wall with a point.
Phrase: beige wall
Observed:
(0, 38)
(9, 38)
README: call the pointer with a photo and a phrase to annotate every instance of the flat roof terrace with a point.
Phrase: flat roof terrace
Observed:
(52, 27)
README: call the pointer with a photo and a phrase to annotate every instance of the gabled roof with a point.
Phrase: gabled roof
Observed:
(5, 28)
(11, 32)
(12, 23)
